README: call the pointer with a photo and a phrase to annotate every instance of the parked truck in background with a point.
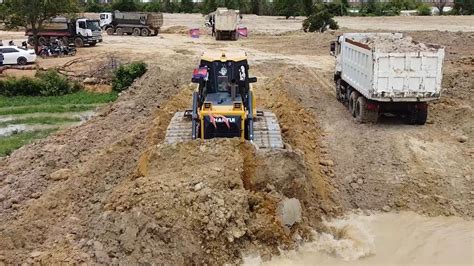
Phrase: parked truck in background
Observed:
(226, 24)
(400, 81)
(79, 32)
(134, 23)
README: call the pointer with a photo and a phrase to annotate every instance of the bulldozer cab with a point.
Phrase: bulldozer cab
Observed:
(223, 79)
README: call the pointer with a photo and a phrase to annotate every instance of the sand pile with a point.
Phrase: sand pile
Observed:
(396, 44)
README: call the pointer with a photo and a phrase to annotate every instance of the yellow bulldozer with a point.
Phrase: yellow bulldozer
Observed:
(224, 105)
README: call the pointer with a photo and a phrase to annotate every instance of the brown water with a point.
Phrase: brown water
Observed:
(402, 238)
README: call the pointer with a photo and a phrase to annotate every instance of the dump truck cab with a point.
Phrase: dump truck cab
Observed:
(224, 98)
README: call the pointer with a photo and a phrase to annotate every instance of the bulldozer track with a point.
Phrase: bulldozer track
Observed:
(267, 133)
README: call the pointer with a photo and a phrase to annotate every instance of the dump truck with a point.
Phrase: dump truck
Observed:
(387, 73)
(132, 23)
(79, 32)
(226, 24)
(224, 105)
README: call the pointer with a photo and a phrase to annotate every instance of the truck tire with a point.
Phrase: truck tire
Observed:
(338, 90)
(418, 116)
(352, 102)
(110, 31)
(363, 114)
(78, 42)
(145, 32)
(136, 32)
(119, 31)
(422, 116)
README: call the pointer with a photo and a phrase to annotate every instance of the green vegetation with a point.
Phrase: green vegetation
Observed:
(46, 109)
(15, 141)
(126, 74)
(463, 7)
(424, 10)
(47, 83)
(320, 20)
(287, 8)
(33, 13)
(44, 120)
(77, 98)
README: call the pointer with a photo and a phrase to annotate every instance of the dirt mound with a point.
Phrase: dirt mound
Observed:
(176, 30)
(199, 210)
(123, 199)
(394, 43)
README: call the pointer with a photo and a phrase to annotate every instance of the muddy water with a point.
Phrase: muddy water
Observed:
(386, 239)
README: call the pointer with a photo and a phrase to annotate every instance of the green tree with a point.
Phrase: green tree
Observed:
(210, 6)
(464, 7)
(187, 6)
(256, 4)
(287, 8)
(125, 5)
(33, 14)
(338, 7)
(153, 6)
(320, 20)
(424, 10)
(307, 6)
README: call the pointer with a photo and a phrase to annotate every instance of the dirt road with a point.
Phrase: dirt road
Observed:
(105, 192)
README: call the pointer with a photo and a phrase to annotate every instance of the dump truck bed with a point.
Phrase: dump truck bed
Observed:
(385, 67)
(154, 20)
(226, 19)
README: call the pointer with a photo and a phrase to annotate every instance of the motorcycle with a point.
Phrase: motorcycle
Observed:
(69, 51)
(57, 51)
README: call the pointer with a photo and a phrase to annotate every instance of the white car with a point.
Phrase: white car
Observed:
(13, 55)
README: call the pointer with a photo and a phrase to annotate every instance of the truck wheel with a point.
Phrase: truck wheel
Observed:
(338, 90)
(352, 102)
(42, 41)
(418, 115)
(119, 31)
(363, 114)
(145, 32)
(136, 32)
(78, 42)
(422, 116)
(110, 31)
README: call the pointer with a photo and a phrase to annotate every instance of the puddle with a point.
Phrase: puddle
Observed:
(403, 238)
(18, 128)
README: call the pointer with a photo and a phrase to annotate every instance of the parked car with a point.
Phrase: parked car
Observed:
(14, 55)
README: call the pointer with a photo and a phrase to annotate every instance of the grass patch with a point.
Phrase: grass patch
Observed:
(46, 109)
(77, 98)
(16, 141)
(46, 120)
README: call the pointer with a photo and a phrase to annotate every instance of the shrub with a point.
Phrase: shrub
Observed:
(152, 7)
(424, 10)
(48, 83)
(320, 20)
(53, 84)
(126, 74)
